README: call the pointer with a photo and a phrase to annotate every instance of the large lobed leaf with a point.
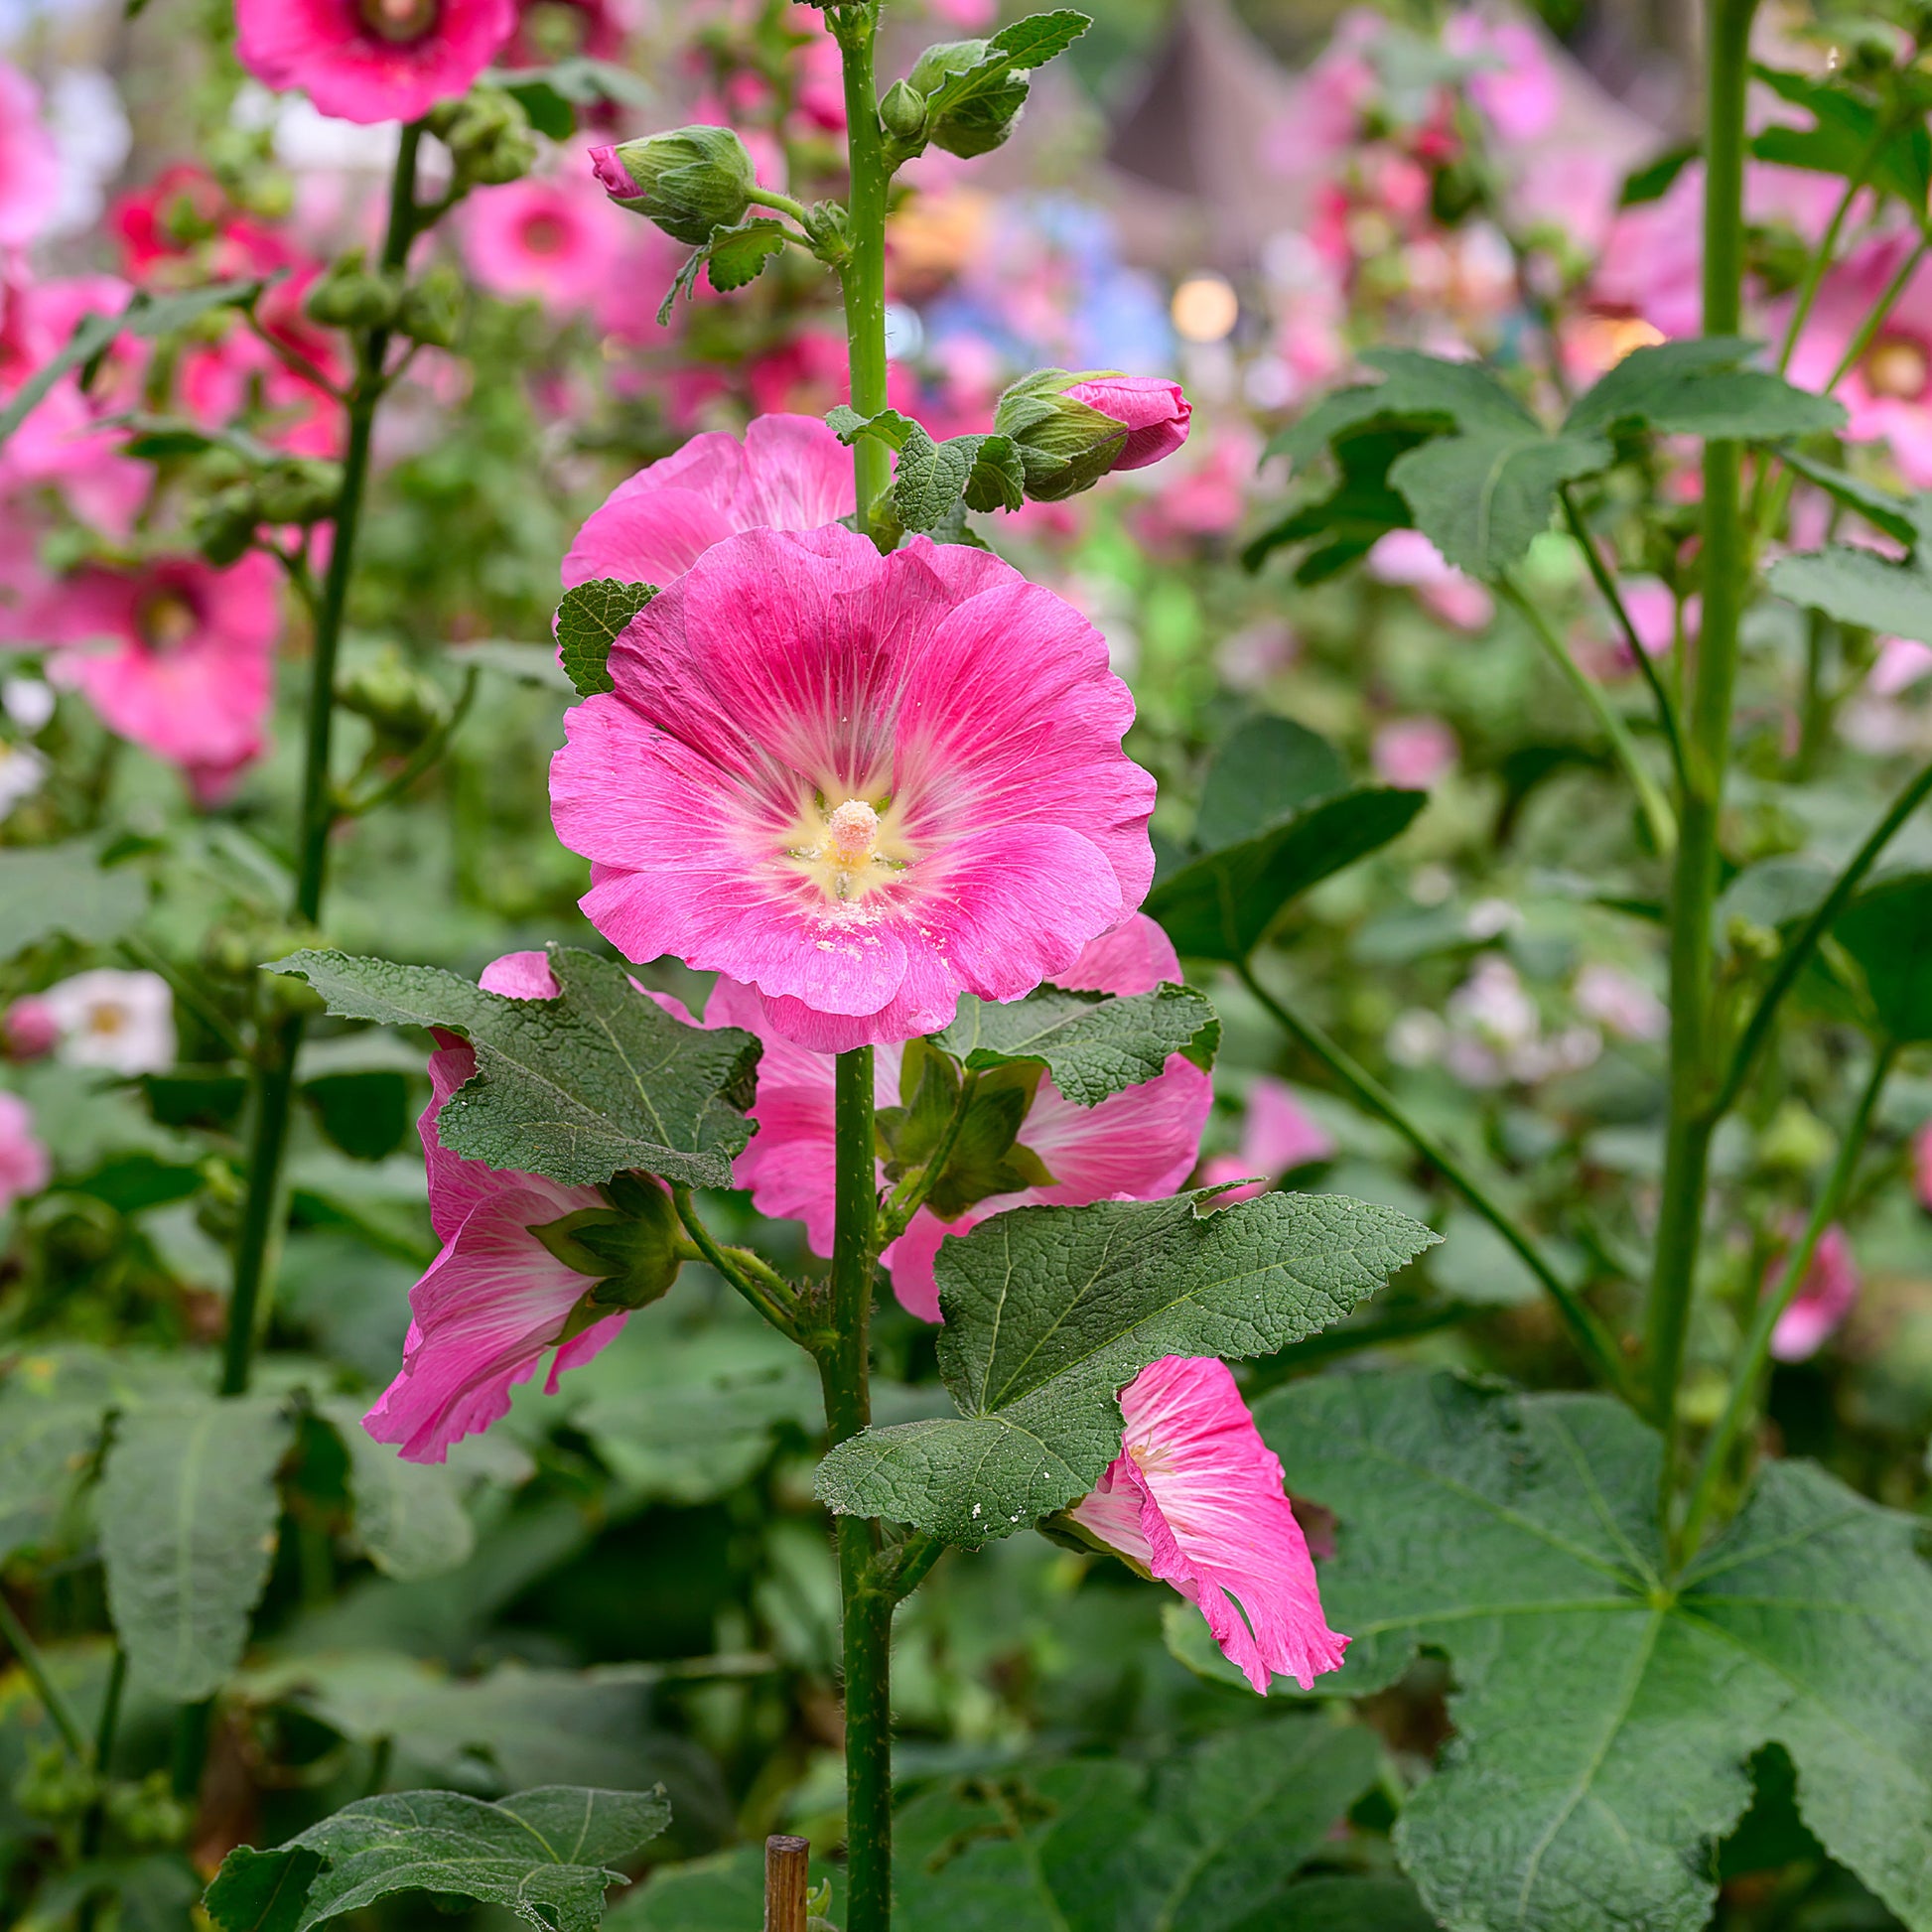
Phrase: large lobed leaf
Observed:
(1049, 1311)
(543, 1855)
(50, 888)
(579, 1087)
(1606, 1719)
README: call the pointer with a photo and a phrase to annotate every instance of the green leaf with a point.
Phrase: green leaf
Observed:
(722, 1893)
(1362, 507)
(1222, 905)
(738, 254)
(1415, 390)
(1091, 1046)
(1024, 44)
(930, 477)
(590, 619)
(188, 1512)
(155, 1893)
(50, 888)
(579, 1087)
(998, 477)
(1654, 180)
(549, 112)
(1268, 769)
(1051, 1311)
(1888, 931)
(409, 1516)
(1903, 517)
(543, 1855)
(1858, 587)
(1840, 139)
(683, 283)
(1700, 387)
(1606, 1719)
(364, 1112)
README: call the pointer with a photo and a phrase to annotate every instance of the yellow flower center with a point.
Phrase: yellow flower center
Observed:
(1897, 368)
(850, 850)
(400, 20)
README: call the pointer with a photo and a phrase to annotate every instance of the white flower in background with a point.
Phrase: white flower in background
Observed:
(28, 700)
(23, 770)
(1490, 919)
(1416, 1037)
(1492, 1003)
(122, 1021)
(92, 138)
(1622, 1003)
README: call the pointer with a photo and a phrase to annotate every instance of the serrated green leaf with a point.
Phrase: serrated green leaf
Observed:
(1222, 905)
(737, 255)
(1019, 47)
(590, 619)
(997, 480)
(1606, 1720)
(1267, 769)
(1051, 1311)
(1654, 180)
(50, 888)
(1904, 517)
(409, 1516)
(888, 427)
(543, 1855)
(1888, 931)
(1090, 1047)
(1416, 388)
(1841, 139)
(1362, 507)
(683, 283)
(932, 476)
(188, 1512)
(1858, 587)
(1701, 386)
(579, 1087)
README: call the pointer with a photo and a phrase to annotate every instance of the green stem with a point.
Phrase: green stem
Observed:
(730, 1265)
(50, 1693)
(1880, 309)
(1791, 962)
(1821, 256)
(782, 204)
(1650, 796)
(910, 1194)
(1706, 750)
(281, 1036)
(862, 275)
(1757, 1347)
(1607, 583)
(434, 745)
(1593, 1340)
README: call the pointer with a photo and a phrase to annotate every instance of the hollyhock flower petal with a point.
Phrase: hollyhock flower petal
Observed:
(1154, 410)
(25, 1165)
(1823, 1300)
(554, 241)
(858, 782)
(790, 473)
(30, 161)
(1135, 957)
(116, 1020)
(371, 60)
(1277, 1136)
(1196, 1498)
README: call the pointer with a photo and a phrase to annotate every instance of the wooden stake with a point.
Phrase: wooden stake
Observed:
(786, 1862)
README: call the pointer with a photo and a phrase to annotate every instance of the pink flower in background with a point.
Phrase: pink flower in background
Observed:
(1154, 410)
(495, 1300)
(1207, 495)
(1277, 1136)
(555, 242)
(25, 1166)
(1196, 1499)
(1514, 84)
(1139, 1144)
(552, 30)
(175, 656)
(790, 473)
(969, 16)
(1621, 1002)
(1902, 662)
(1652, 610)
(30, 1030)
(863, 784)
(1823, 1300)
(820, 83)
(1408, 557)
(1922, 1164)
(1413, 752)
(30, 162)
(371, 60)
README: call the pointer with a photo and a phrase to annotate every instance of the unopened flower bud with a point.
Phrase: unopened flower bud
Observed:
(902, 113)
(1072, 429)
(432, 308)
(488, 137)
(224, 526)
(30, 1030)
(400, 702)
(299, 490)
(689, 180)
(349, 297)
(975, 127)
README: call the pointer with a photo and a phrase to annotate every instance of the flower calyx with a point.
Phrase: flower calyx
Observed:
(982, 1155)
(1071, 428)
(352, 296)
(488, 135)
(689, 180)
(628, 1250)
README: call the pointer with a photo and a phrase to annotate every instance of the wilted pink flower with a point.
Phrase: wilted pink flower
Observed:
(30, 162)
(1824, 1299)
(174, 654)
(555, 242)
(495, 1300)
(124, 1022)
(790, 473)
(24, 1168)
(30, 1030)
(863, 784)
(1408, 557)
(1413, 752)
(1154, 410)
(1195, 1498)
(1279, 1134)
(371, 60)
(1139, 1144)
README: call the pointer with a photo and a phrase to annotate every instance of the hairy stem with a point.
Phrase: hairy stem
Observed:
(862, 275)
(1821, 256)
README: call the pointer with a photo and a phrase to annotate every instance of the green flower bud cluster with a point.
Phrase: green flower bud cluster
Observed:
(689, 182)
(488, 136)
(428, 310)
(983, 120)
(294, 489)
(402, 705)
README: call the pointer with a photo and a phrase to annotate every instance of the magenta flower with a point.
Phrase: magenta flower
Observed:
(30, 163)
(174, 655)
(1922, 1165)
(495, 1300)
(862, 784)
(1278, 1136)
(1514, 84)
(790, 473)
(552, 241)
(1139, 1144)
(1155, 411)
(1824, 1299)
(1195, 1498)
(25, 1167)
(30, 1030)
(371, 60)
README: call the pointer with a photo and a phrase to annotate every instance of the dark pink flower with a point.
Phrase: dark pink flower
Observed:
(1195, 1498)
(1408, 557)
(24, 1168)
(30, 163)
(790, 473)
(1824, 1299)
(1155, 411)
(371, 60)
(862, 784)
(1278, 1135)
(552, 241)
(1139, 1144)
(1922, 1165)
(30, 1028)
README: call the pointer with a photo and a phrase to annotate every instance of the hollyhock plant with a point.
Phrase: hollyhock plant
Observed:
(498, 1298)
(544, 241)
(371, 60)
(861, 783)
(124, 1022)
(25, 1165)
(1196, 1499)
(1139, 1144)
(790, 473)
(30, 162)
(1277, 1136)
(1824, 1299)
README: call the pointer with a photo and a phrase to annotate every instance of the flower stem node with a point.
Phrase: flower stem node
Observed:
(1071, 429)
(689, 180)
(488, 136)
(351, 297)
(830, 229)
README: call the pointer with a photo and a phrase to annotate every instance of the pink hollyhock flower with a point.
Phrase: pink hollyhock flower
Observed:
(495, 1300)
(371, 60)
(1622, 1003)
(1196, 1499)
(174, 655)
(790, 473)
(820, 91)
(556, 241)
(1824, 1299)
(1139, 1144)
(1413, 752)
(1155, 411)
(1278, 1135)
(1902, 662)
(25, 1166)
(1922, 1164)
(30, 162)
(1408, 557)
(30, 1030)
(1515, 84)
(553, 30)
(862, 784)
